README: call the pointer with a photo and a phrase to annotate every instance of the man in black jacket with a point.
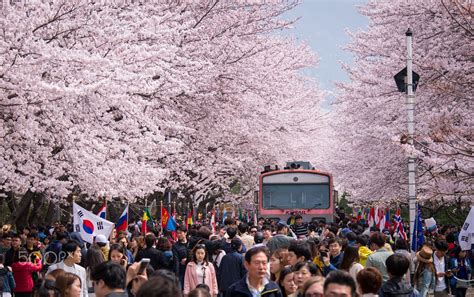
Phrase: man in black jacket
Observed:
(396, 286)
(232, 267)
(180, 251)
(255, 283)
(150, 252)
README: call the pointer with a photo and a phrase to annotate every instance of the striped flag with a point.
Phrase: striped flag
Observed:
(398, 225)
(122, 223)
(371, 217)
(213, 221)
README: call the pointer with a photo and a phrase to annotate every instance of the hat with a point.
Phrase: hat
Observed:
(101, 238)
(425, 255)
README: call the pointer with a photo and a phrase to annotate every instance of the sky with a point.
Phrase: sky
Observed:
(323, 25)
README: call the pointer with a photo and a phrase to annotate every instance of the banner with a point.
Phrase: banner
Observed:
(418, 237)
(466, 236)
(89, 225)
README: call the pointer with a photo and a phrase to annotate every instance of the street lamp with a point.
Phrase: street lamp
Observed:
(406, 81)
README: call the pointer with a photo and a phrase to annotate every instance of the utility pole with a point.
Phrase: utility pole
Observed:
(411, 132)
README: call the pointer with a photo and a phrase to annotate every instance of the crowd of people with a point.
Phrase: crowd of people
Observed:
(238, 259)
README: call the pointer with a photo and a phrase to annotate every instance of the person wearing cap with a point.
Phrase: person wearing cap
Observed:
(280, 240)
(101, 241)
(425, 272)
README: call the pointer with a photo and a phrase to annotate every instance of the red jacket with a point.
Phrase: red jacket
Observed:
(22, 273)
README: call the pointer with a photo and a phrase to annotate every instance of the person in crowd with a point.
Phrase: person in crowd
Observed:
(298, 251)
(314, 287)
(255, 283)
(281, 240)
(461, 268)
(369, 281)
(136, 244)
(401, 247)
(424, 278)
(441, 263)
(200, 271)
(150, 252)
(109, 280)
(168, 261)
(159, 286)
(339, 283)
(123, 240)
(23, 273)
(299, 228)
(199, 292)
(364, 252)
(287, 284)
(54, 249)
(118, 254)
(12, 253)
(102, 242)
(396, 266)
(180, 252)
(246, 237)
(278, 261)
(93, 258)
(217, 254)
(380, 255)
(304, 271)
(258, 239)
(267, 233)
(69, 285)
(70, 264)
(335, 256)
(231, 232)
(7, 282)
(232, 267)
(6, 243)
(350, 261)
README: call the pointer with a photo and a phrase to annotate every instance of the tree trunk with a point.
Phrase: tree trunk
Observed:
(19, 215)
(38, 202)
(48, 220)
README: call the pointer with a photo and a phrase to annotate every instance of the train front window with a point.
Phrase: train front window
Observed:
(299, 196)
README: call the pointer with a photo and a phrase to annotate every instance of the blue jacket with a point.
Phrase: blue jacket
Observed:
(231, 270)
(8, 280)
(240, 289)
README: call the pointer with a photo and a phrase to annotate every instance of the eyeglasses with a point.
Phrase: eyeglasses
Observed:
(253, 231)
(200, 246)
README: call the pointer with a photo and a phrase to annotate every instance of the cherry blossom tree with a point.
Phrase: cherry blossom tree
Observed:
(370, 116)
(128, 100)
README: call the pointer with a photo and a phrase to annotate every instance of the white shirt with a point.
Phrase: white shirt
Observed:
(439, 266)
(77, 270)
(200, 273)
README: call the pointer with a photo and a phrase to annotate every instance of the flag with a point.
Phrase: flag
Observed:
(398, 225)
(241, 215)
(381, 219)
(89, 225)
(103, 211)
(466, 236)
(418, 237)
(255, 221)
(190, 219)
(387, 219)
(167, 221)
(224, 216)
(371, 218)
(213, 221)
(146, 217)
(359, 214)
(122, 223)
